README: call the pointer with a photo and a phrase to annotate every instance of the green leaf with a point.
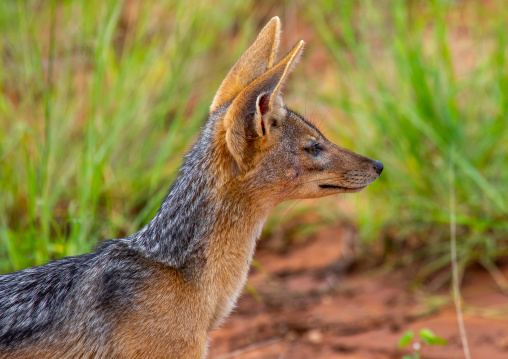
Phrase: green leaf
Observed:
(430, 338)
(405, 339)
(254, 292)
(407, 357)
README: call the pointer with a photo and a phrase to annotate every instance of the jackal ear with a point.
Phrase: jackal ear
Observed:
(262, 99)
(253, 63)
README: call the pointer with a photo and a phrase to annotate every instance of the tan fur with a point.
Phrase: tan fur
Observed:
(168, 322)
(270, 82)
(175, 315)
(253, 63)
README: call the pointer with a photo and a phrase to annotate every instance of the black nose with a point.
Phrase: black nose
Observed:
(378, 166)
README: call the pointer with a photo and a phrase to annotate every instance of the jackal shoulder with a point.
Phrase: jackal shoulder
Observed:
(43, 302)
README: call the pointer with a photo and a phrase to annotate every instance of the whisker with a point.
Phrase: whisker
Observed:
(312, 113)
(327, 112)
(323, 121)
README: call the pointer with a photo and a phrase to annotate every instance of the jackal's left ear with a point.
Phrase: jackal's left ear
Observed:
(247, 115)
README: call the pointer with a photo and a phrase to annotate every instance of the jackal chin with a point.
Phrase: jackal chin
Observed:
(333, 189)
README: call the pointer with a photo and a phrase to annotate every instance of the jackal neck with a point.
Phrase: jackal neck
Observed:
(203, 204)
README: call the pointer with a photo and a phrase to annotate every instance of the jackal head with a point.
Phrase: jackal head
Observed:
(271, 147)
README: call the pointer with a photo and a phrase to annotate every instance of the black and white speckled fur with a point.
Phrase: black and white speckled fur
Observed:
(74, 297)
(186, 214)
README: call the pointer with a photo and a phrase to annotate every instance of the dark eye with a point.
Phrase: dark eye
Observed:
(314, 149)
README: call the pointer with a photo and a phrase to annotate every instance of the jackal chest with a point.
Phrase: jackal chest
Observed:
(228, 269)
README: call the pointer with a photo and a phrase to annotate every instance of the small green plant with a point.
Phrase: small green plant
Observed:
(426, 337)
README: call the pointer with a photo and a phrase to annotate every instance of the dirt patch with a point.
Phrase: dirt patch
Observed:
(309, 308)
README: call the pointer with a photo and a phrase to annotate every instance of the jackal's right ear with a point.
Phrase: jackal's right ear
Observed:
(253, 63)
(246, 117)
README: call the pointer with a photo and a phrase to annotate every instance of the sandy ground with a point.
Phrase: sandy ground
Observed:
(310, 306)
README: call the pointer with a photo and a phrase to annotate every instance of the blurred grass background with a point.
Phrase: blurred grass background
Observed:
(100, 99)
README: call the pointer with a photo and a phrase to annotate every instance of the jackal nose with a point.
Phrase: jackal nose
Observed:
(378, 166)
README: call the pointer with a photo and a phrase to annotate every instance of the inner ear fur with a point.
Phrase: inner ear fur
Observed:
(262, 107)
(261, 97)
(254, 62)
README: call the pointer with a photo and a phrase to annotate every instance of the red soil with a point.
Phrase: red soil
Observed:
(311, 308)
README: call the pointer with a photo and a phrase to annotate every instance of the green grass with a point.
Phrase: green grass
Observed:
(423, 86)
(99, 100)
(98, 103)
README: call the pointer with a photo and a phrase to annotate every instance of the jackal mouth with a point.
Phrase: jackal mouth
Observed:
(331, 186)
(345, 189)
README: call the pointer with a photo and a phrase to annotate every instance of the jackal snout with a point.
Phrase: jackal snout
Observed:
(323, 168)
(354, 172)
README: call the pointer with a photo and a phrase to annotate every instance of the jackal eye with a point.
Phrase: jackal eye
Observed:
(314, 150)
